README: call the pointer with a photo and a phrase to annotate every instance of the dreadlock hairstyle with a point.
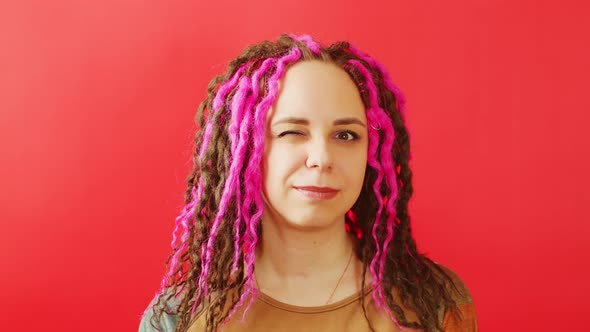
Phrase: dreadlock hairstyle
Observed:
(210, 270)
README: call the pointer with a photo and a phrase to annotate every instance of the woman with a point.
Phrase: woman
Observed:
(296, 212)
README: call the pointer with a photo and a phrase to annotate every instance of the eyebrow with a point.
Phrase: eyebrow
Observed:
(302, 121)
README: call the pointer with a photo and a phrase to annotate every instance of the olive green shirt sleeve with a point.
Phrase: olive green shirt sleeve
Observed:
(167, 322)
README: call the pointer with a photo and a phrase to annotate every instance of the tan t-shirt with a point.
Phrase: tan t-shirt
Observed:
(268, 314)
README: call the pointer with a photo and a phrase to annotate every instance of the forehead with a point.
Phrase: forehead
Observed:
(318, 91)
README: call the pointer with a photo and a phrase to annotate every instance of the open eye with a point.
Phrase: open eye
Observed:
(347, 135)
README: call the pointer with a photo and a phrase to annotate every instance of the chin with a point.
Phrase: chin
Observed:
(307, 226)
(314, 222)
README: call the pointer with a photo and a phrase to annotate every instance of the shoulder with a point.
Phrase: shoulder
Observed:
(456, 287)
(167, 321)
(463, 319)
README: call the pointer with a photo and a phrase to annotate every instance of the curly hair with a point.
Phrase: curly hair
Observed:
(210, 269)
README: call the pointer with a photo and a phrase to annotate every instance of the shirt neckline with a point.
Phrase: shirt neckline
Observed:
(314, 309)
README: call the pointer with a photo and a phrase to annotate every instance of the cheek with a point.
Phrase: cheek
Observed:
(356, 170)
(278, 165)
(354, 163)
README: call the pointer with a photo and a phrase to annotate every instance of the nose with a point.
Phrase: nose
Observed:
(319, 155)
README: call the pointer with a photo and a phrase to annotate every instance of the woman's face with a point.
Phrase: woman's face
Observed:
(316, 147)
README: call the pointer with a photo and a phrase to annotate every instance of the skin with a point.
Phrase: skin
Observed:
(304, 247)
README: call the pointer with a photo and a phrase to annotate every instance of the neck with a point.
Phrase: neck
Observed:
(294, 253)
(306, 267)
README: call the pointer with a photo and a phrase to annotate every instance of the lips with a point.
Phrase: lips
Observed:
(318, 189)
(317, 193)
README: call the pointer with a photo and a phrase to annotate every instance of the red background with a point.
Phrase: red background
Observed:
(97, 102)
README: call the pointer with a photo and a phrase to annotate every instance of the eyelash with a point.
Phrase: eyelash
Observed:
(354, 135)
